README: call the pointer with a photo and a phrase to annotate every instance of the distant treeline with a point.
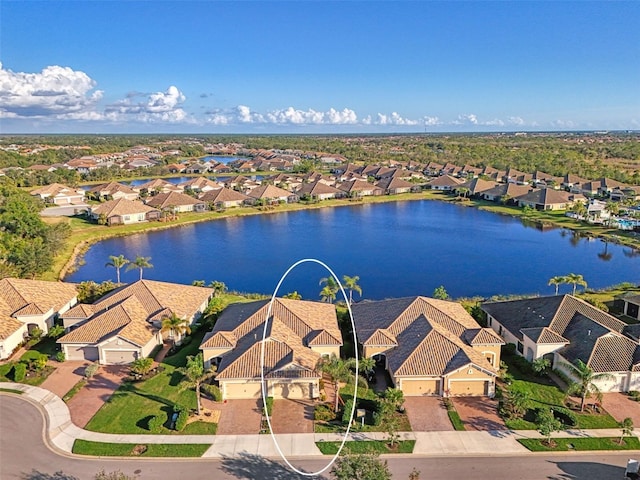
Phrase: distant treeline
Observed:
(588, 155)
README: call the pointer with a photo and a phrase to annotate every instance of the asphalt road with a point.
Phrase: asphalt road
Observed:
(24, 455)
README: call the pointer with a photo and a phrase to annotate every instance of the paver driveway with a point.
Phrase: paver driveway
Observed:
(92, 396)
(427, 414)
(65, 376)
(239, 417)
(479, 413)
(621, 406)
(292, 416)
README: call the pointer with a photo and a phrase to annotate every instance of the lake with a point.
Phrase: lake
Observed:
(397, 249)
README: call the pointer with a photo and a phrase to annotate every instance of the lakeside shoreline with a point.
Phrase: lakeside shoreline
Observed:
(82, 239)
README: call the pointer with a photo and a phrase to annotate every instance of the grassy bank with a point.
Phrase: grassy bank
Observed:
(373, 446)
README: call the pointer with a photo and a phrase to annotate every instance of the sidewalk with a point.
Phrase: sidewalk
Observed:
(62, 433)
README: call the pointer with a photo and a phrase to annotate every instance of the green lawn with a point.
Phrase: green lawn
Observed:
(543, 392)
(11, 390)
(47, 346)
(131, 406)
(84, 447)
(581, 444)
(75, 389)
(373, 446)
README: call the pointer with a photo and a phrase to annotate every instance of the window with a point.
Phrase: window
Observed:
(500, 330)
(489, 320)
(520, 347)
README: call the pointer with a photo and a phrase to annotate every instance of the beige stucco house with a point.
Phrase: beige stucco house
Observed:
(429, 346)
(123, 211)
(299, 333)
(27, 304)
(125, 324)
(59, 194)
(565, 329)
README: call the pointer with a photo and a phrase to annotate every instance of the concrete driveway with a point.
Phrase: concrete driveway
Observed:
(479, 413)
(239, 417)
(63, 211)
(427, 414)
(621, 406)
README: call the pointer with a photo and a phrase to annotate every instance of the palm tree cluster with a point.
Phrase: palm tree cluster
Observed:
(573, 279)
(331, 288)
(120, 261)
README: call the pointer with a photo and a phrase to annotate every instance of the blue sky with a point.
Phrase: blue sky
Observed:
(318, 66)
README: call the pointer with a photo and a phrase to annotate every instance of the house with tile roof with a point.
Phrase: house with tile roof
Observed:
(125, 324)
(272, 194)
(429, 346)
(298, 334)
(176, 202)
(394, 186)
(123, 211)
(564, 329)
(444, 183)
(157, 185)
(360, 188)
(319, 190)
(224, 198)
(200, 184)
(29, 304)
(550, 199)
(631, 306)
(113, 191)
(59, 194)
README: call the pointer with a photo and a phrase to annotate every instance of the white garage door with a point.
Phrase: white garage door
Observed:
(119, 357)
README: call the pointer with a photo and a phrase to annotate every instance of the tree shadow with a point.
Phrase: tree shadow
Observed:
(250, 466)
(579, 470)
(38, 475)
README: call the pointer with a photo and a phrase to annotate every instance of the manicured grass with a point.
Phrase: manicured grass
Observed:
(84, 447)
(455, 420)
(45, 346)
(542, 392)
(581, 444)
(75, 389)
(373, 446)
(131, 406)
(11, 390)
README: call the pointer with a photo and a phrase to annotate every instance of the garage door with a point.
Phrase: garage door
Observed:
(242, 390)
(119, 357)
(476, 388)
(291, 390)
(84, 352)
(414, 388)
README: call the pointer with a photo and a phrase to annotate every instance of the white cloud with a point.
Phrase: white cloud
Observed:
(516, 121)
(394, 119)
(158, 107)
(242, 114)
(53, 91)
(466, 119)
(431, 121)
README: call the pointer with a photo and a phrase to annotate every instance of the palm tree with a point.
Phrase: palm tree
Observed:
(198, 283)
(140, 263)
(585, 385)
(293, 295)
(557, 281)
(338, 371)
(613, 208)
(352, 284)
(579, 209)
(117, 263)
(218, 287)
(626, 426)
(176, 326)
(196, 375)
(575, 280)
(327, 294)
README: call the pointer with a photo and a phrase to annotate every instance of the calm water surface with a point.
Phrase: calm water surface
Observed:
(397, 249)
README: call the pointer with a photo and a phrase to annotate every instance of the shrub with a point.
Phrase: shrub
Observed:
(91, 370)
(36, 334)
(565, 415)
(181, 421)
(156, 422)
(213, 391)
(509, 349)
(269, 406)
(323, 413)
(38, 362)
(19, 372)
(346, 413)
(60, 357)
(186, 341)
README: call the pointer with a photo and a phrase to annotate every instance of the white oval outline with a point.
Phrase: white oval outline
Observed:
(262, 382)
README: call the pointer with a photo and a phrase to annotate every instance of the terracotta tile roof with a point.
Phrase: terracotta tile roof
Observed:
(431, 335)
(358, 186)
(268, 192)
(183, 300)
(484, 336)
(294, 326)
(445, 181)
(127, 319)
(121, 207)
(81, 310)
(318, 188)
(8, 325)
(199, 183)
(550, 196)
(156, 183)
(477, 185)
(171, 199)
(392, 183)
(111, 188)
(56, 188)
(18, 293)
(30, 309)
(223, 195)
